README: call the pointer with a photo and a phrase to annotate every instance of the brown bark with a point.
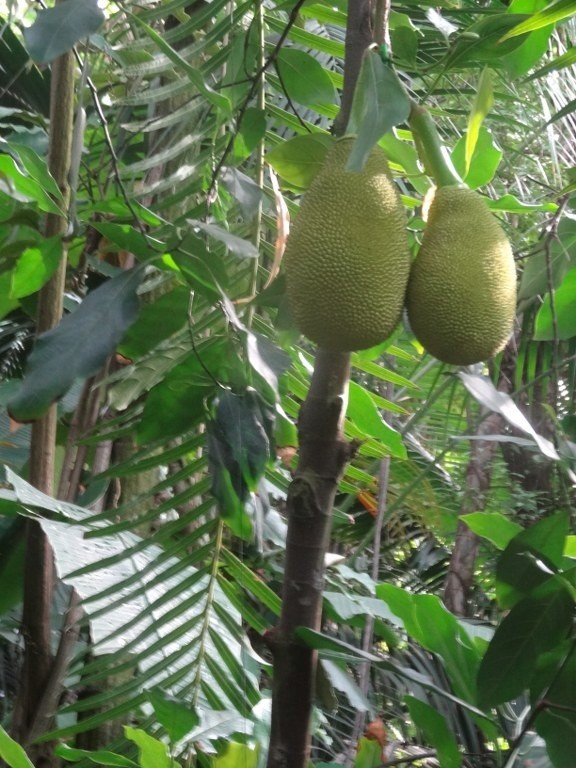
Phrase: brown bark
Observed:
(39, 572)
(323, 456)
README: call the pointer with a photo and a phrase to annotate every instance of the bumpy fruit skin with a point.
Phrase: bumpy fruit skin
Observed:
(347, 258)
(461, 297)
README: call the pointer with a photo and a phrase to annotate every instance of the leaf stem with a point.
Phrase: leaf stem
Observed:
(431, 150)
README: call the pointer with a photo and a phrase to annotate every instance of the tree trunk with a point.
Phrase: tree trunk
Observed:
(39, 570)
(323, 456)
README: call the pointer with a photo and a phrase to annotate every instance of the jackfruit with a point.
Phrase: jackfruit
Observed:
(347, 257)
(461, 296)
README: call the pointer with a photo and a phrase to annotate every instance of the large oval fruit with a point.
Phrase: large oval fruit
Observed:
(461, 297)
(347, 258)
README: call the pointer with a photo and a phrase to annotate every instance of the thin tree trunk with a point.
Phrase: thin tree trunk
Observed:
(323, 456)
(39, 570)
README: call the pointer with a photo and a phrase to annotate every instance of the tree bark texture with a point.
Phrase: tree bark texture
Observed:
(323, 456)
(39, 570)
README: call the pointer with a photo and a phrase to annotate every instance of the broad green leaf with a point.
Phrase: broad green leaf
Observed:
(78, 346)
(483, 103)
(12, 752)
(530, 559)
(380, 102)
(557, 724)
(534, 45)
(534, 281)
(436, 731)
(342, 681)
(365, 416)
(304, 78)
(157, 321)
(35, 267)
(492, 526)
(192, 73)
(562, 323)
(369, 753)
(98, 756)
(553, 13)
(176, 716)
(28, 186)
(153, 753)
(482, 41)
(484, 161)
(236, 755)
(298, 160)
(58, 29)
(252, 128)
(404, 42)
(534, 625)
(429, 623)
(35, 166)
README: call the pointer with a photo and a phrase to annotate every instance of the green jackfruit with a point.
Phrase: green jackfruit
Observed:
(347, 258)
(461, 297)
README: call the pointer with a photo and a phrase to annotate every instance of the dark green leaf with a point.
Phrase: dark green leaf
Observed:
(534, 625)
(157, 321)
(534, 45)
(380, 103)
(530, 559)
(483, 41)
(534, 281)
(561, 324)
(78, 346)
(492, 526)
(177, 717)
(556, 722)
(58, 29)
(436, 731)
(304, 78)
(298, 160)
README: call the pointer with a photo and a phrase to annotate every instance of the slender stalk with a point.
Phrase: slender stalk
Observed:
(433, 153)
(39, 572)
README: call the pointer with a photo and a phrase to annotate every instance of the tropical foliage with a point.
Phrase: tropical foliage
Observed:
(178, 377)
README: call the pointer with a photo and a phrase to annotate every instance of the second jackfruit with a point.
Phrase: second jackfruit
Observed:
(461, 297)
(347, 258)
